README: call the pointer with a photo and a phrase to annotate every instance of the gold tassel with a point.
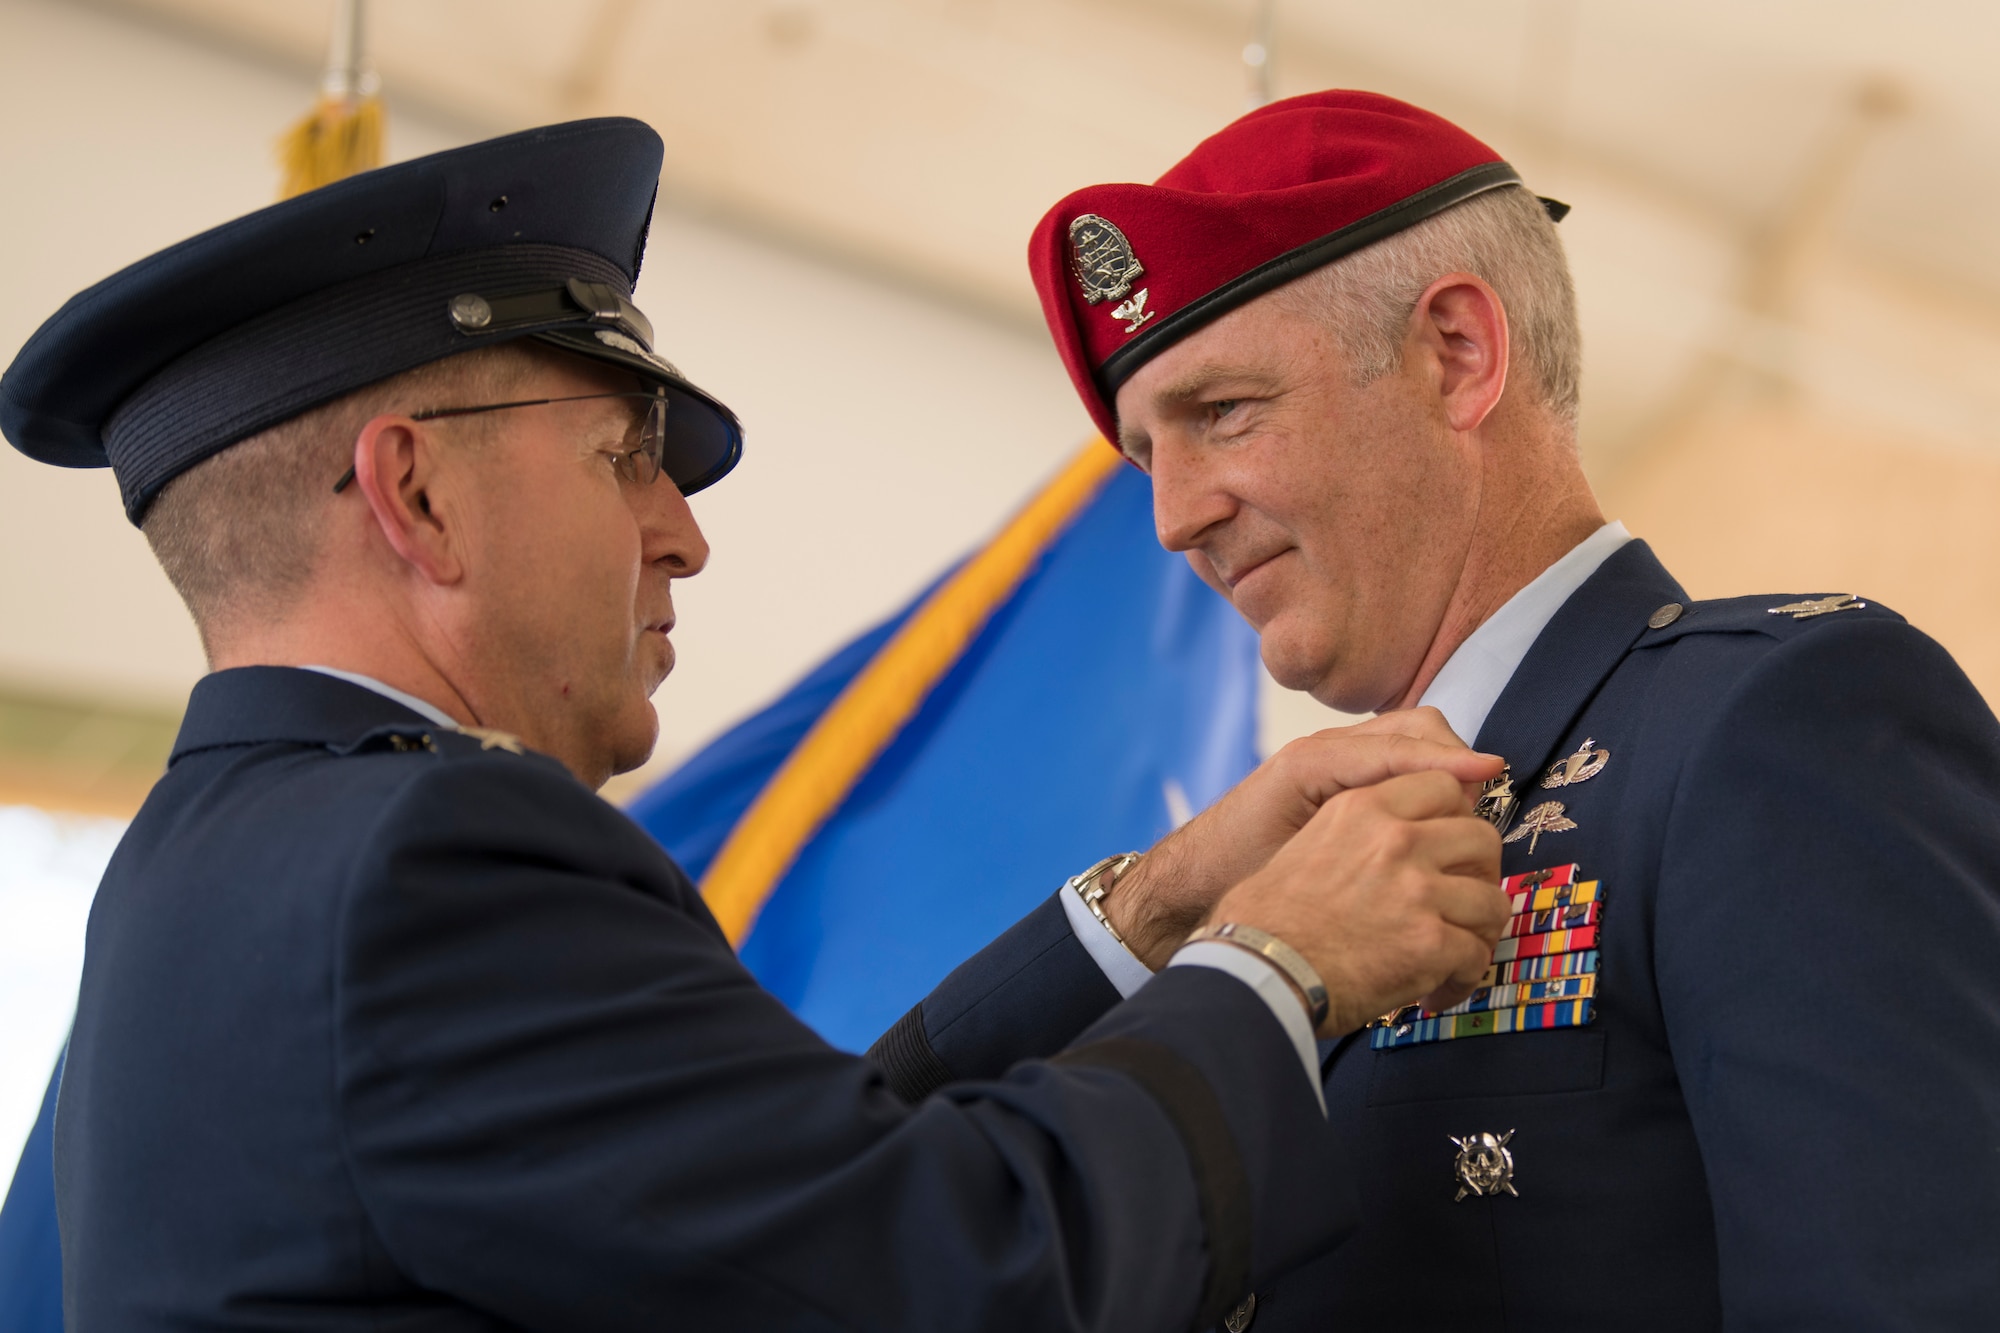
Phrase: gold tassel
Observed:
(341, 135)
(336, 139)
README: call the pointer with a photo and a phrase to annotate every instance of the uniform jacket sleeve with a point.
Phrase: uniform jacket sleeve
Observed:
(564, 1101)
(1024, 996)
(1829, 968)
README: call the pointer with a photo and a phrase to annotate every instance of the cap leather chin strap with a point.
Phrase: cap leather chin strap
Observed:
(474, 314)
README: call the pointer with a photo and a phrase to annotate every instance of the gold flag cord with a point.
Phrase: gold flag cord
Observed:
(813, 781)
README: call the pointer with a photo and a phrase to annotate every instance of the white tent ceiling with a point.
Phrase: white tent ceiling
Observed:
(926, 136)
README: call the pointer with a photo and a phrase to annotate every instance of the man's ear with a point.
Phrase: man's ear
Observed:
(395, 468)
(1460, 328)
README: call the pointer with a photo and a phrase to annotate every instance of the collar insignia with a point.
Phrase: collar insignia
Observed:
(1103, 263)
(490, 739)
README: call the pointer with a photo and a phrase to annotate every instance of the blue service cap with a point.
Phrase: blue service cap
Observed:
(535, 235)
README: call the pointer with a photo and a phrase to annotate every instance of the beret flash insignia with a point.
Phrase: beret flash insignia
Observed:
(1102, 259)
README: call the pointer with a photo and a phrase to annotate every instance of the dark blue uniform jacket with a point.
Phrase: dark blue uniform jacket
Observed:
(383, 1029)
(1785, 1113)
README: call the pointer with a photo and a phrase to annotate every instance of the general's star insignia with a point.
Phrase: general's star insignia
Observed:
(1544, 818)
(1582, 766)
(489, 739)
(1134, 310)
(1817, 606)
(1102, 260)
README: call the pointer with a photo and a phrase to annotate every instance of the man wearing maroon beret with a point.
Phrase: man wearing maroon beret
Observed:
(1737, 1061)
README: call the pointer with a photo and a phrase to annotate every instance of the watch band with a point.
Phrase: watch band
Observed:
(1275, 951)
(1100, 879)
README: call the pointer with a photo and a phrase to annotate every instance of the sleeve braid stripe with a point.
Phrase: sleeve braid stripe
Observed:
(906, 1059)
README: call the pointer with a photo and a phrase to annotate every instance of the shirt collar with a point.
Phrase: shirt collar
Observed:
(1472, 678)
(428, 711)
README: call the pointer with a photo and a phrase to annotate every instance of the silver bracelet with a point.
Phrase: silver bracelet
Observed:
(1275, 951)
(1094, 883)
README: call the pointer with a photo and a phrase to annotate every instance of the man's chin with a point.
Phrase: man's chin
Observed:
(1293, 664)
(637, 739)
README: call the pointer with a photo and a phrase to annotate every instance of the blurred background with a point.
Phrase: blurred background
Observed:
(1781, 237)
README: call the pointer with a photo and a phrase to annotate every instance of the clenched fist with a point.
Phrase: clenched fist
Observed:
(1392, 893)
(1174, 889)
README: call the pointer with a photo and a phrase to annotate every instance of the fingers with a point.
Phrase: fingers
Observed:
(1475, 906)
(1421, 723)
(1426, 795)
(1323, 765)
(1471, 957)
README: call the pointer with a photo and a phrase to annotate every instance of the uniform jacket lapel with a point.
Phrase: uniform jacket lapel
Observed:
(1584, 640)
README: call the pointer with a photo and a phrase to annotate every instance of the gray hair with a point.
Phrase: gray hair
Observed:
(1504, 236)
(238, 534)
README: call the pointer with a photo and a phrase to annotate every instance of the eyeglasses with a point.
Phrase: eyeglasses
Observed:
(640, 465)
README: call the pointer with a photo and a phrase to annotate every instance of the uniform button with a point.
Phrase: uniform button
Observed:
(1665, 616)
(1239, 1319)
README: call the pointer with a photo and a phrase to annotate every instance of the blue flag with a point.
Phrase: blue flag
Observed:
(1108, 697)
(30, 1255)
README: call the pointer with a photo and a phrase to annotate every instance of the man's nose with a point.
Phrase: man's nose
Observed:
(670, 536)
(1186, 501)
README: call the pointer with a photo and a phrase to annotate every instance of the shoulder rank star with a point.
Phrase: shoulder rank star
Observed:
(1817, 606)
(1582, 766)
(1484, 1165)
(1545, 818)
(489, 739)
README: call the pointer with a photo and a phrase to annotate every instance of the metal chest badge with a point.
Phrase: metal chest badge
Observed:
(1497, 800)
(1582, 766)
(1484, 1166)
(1548, 817)
(1102, 261)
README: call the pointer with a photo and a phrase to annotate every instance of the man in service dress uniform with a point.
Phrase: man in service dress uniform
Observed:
(1736, 1063)
(388, 1021)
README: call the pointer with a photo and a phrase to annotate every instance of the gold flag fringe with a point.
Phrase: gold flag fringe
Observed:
(337, 138)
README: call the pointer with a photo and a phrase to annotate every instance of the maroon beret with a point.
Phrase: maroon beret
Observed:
(1126, 271)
